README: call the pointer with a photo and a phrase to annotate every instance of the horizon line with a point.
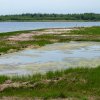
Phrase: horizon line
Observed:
(49, 13)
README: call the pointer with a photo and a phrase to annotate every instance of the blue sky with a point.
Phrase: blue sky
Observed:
(48, 6)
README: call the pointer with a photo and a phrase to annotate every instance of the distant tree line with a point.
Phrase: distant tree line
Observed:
(40, 17)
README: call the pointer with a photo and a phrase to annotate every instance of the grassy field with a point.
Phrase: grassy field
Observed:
(80, 34)
(79, 83)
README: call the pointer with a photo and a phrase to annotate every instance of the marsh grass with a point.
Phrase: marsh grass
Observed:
(3, 79)
(87, 31)
(77, 83)
(14, 33)
(82, 34)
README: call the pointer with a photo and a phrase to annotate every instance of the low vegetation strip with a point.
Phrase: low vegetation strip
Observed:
(80, 83)
(14, 41)
(51, 17)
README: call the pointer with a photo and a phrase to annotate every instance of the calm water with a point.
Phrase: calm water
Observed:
(16, 26)
(51, 57)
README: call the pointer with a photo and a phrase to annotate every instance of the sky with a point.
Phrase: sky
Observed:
(49, 6)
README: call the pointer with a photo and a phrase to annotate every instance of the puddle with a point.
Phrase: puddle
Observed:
(50, 58)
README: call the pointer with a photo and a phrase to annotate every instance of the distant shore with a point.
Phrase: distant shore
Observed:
(51, 17)
(50, 21)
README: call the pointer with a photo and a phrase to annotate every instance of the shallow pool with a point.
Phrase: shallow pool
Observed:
(50, 58)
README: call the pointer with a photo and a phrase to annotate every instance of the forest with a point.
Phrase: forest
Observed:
(51, 17)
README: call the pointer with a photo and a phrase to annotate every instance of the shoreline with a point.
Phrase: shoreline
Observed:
(20, 40)
(53, 21)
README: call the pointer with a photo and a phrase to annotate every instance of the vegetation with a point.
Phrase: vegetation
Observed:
(80, 83)
(87, 31)
(6, 34)
(79, 34)
(44, 17)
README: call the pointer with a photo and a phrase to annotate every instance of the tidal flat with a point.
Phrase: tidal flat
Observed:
(50, 64)
(57, 56)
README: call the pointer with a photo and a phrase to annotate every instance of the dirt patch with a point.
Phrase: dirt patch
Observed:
(11, 84)
(28, 36)
(30, 98)
(19, 98)
(21, 37)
